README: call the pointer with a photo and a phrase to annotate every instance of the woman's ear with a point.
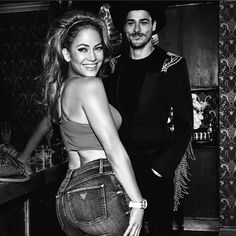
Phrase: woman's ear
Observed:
(66, 54)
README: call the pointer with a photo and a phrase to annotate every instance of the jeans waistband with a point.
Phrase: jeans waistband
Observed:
(91, 168)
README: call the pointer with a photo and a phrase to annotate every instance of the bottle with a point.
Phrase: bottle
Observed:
(210, 132)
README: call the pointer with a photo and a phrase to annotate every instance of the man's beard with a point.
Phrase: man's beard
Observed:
(138, 45)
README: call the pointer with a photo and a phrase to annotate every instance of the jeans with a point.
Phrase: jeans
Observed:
(91, 201)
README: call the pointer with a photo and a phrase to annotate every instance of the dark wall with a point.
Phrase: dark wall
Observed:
(192, 32)
(21, 39)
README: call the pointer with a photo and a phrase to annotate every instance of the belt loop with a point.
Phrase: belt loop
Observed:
(101, 166)
(66, 180)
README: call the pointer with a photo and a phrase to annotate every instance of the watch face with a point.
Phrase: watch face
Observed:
(144, 204)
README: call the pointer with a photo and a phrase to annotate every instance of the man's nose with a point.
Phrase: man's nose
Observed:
(137, 28)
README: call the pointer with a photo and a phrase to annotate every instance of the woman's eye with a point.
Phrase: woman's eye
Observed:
(82, 49)
(100, 48)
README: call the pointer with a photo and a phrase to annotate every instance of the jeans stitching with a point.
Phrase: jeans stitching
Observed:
(65, 181)
(98, 219)
(88, 178)
(101, 166)
(58, 212)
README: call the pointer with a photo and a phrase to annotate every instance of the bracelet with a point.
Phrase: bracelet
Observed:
(141, 205)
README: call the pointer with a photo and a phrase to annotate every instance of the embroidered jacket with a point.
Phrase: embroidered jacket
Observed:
(166, 85)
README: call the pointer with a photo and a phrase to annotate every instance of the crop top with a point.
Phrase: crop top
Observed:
(78, 136)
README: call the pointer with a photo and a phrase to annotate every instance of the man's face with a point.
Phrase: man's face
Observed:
(138, 28)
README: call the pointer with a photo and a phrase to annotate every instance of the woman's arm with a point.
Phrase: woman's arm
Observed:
(96, 108)
(42, 129)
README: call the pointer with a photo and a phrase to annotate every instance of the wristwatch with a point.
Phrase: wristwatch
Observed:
(142, 205)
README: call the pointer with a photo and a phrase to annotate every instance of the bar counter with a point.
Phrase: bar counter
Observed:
(28, 208)
(10, 191)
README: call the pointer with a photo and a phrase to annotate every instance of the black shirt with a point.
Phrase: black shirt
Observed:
(131, 84)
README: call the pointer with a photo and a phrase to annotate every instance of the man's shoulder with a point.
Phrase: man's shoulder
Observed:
(172, 55)
(171, 59)
(161, 51)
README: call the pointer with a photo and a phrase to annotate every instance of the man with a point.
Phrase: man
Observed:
(147, 82)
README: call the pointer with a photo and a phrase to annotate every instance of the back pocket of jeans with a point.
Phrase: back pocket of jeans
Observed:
(87, 205)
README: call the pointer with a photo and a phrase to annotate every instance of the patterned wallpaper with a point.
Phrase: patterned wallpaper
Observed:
(227, 115)
(21, 40)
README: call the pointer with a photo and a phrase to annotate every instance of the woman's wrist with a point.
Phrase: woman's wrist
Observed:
(141, 204)
(24, 157)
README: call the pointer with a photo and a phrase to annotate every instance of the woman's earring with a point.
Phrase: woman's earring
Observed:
(155, 39)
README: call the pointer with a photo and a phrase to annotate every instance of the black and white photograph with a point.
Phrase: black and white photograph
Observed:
(118, 118)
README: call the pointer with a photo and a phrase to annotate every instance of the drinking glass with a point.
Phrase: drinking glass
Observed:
(5, 129)
(38, 159)
(47, 153)
(42, 158)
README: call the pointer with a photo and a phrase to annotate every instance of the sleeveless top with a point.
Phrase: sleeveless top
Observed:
(78, 136)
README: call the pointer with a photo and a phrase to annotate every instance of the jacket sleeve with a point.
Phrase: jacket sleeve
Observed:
(181, 101)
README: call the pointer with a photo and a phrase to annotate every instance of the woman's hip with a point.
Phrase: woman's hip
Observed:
(91, 197)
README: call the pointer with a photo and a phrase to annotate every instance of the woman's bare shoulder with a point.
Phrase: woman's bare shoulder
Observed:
(90, 84)
(84, 84)
(86, 87)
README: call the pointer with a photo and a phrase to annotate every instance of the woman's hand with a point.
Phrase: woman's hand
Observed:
(9, 149)
(26, 162)
(135, 222)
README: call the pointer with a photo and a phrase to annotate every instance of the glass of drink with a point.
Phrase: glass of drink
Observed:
(5, 129)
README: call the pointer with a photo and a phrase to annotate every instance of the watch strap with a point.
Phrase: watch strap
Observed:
(140, 205)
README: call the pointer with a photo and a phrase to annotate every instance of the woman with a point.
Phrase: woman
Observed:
(100, 186)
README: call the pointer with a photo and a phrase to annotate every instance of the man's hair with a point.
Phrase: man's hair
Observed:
(119, 11)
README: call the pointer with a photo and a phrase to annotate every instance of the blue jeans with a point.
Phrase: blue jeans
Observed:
(91, 201)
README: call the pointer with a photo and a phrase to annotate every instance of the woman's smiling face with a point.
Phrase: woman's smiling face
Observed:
(86, 54)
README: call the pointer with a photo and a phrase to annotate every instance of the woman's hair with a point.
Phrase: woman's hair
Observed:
(61, 35)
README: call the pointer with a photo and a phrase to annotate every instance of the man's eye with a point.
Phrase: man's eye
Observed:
(129, 23)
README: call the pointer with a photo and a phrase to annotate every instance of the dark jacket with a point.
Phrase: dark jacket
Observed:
(166, 85)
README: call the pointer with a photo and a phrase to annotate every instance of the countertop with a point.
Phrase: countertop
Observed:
(10, 191)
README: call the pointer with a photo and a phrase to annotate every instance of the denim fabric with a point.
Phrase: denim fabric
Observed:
(91, 201)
